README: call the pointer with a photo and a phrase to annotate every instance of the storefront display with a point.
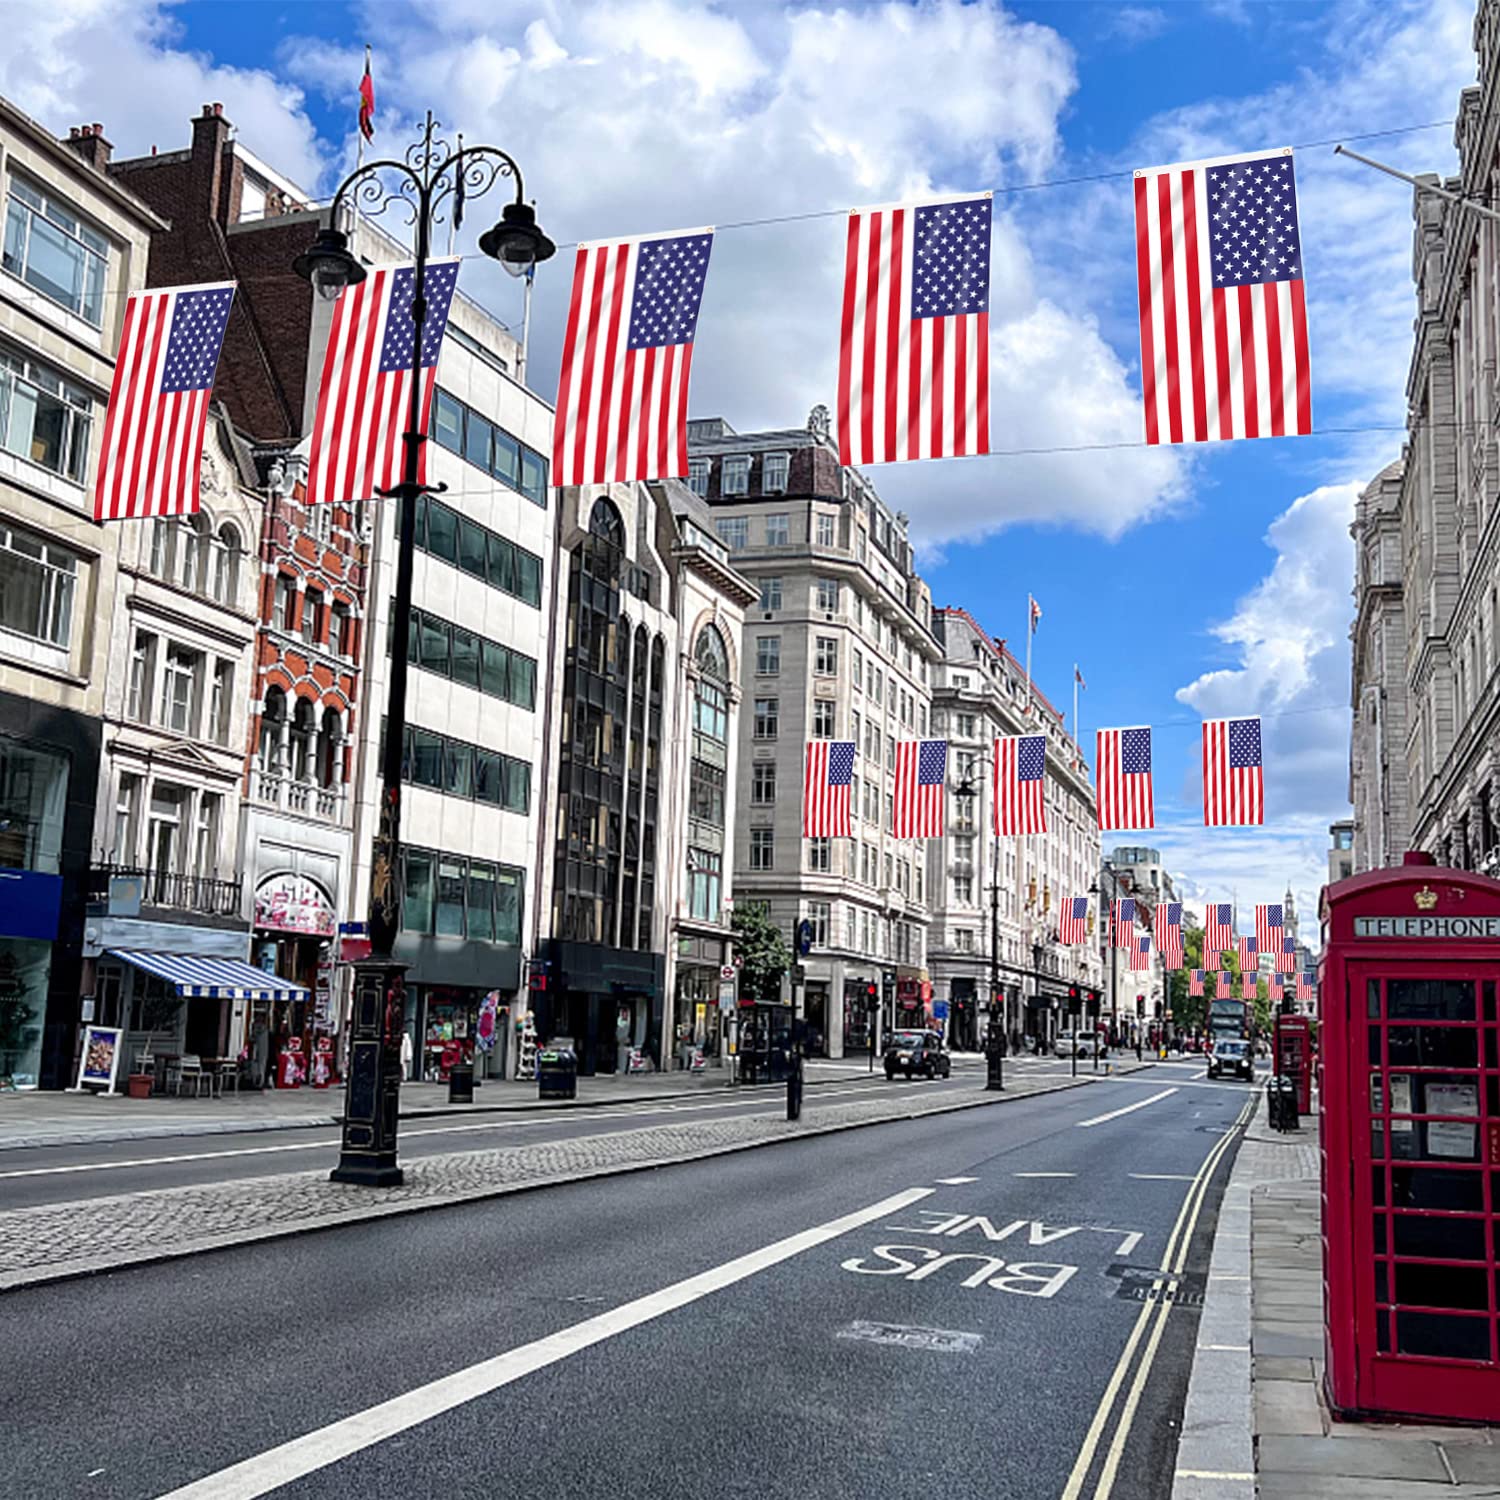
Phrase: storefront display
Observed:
(25, 967)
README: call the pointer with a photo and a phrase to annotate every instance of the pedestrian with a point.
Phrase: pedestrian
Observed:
(406, 1056)
(1138, 1057)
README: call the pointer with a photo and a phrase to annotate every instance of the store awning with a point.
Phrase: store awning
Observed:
(211, 978)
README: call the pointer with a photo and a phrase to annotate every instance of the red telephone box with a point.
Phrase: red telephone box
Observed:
(1293, 1057)
(1410, 1109)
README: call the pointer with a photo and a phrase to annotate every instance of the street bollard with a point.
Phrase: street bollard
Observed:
(794, 1090)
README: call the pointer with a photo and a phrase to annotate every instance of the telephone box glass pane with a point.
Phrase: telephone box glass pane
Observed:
(1372, 1046)
(1372, 999)
(1377, 1185)
(1383, 1331)
(1429, 1000)
(1432, 1333)
(1420, 1285)
(1379, 1224)
(1443, 1239)
(1382, 1281)
(1433, 1046)
(1489, 999)
(1435, 1187)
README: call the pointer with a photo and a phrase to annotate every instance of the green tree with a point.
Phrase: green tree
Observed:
(764, 950)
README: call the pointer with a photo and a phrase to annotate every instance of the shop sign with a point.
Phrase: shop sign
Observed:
(1427, 927)
(293, 903)
(100, 1060)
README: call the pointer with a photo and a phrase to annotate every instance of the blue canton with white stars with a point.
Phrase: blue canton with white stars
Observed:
(193, 345)
(1080, 908)
(669, 276)
(395, 352)
(951, 259)
(1244, 742)
(1252, 222)
(1032, 759)
(841, 763)
(1127, 909)
(932, 763)
(1135, 751)
(1174, 914)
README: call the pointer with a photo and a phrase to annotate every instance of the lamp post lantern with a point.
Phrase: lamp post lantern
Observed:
(430, 174)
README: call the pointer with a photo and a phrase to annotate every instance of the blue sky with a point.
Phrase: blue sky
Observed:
(1185, 583)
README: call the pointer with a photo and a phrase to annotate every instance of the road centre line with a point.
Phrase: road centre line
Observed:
(1115, 1114)
(1044, 1174)
(956, 1181)
(316, 1450)
(1161, 1176)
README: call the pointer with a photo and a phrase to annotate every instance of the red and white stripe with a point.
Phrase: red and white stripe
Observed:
(1020, 806)
(1124, 801)
(1232, 795)
(1216, 362)
(1224, 988)
(152, 446)
(1072, 929)
(908, 388)
(1140, 952)
(1218, 937)
(825, 809)
(1267, 936)
(919, 809)
(1123, 930)
(1195, 982)
(1249, 983)
(621, 412)
(356, 447)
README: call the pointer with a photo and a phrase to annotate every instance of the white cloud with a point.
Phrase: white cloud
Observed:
(1134, 24)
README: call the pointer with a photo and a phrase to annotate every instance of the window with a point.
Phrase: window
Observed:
(450, 651)
(778, 533)
(824, 719)
(763, 783)
(820, 855)
(963, 889)
(706, 793)
(478, 551)
(711, 711)
(964, 726)
(854, 735)
(44, 417)
(312, 616)
(877, 686)
(705, 881)
(734, 532)
(770, 592)
(818, 916)
(859, 671)
(828, 595)
(221, 706)
(773, 471)
(698, 475)
(226, 554)
(767, 713)
(51, 250)
(127, 812)
(851, 927)
(206, 837)
(463, 431)
(178, 684)
(458, 769)
(767, 655)
(762, 849)
(823, 529)
(37, 586)
(734, 478)
(825, 656)
(964, 937)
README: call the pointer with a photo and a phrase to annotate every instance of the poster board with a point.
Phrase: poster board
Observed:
(99, 1058)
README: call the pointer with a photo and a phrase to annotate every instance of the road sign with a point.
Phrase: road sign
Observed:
(799, 973)
(728, 971)
(804, 937)
(939, 1010)
(726, 995)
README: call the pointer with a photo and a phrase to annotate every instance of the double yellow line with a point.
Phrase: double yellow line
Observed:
(1173, 1260)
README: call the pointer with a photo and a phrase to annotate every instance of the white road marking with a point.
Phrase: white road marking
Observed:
(1214, 1474)
(1161, 1176)
(904, 1336)
(1044, 1174)
(316, 1450)
(1227, 1348)
(1115, 1114)
(956, 1181)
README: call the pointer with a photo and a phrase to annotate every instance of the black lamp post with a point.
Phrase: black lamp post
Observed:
(994, 1041)
(430, 174)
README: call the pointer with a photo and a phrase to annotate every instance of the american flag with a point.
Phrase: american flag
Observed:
(1124, 778)
(1166, 924)
(1074, 920)
(825, 789)
(1195, 981)
(1249, 984)
(1172, 957)
(1224, 989)
(1218, 931)
(1222, 305)
(1122, 918)
(921, 775)
(1307, 986)
(1234, 788)
(1273, 988)
(158, 401)
(1021, 780)
(1268, 928)
(1249, 952)
(914, 357)
(1286, 959)
(1140, 951)
(622, 394)
(364, 391)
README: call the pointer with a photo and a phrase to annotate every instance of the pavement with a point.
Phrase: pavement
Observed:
(1255, 1418)
(969, 1302)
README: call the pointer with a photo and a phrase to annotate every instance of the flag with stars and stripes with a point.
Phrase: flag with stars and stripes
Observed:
(158, 401)
(1020, 784)
(622, 392)
(825, 789)
(1224, 988)
(1286, 958)
(1195, 981)
(921, 784)
(1166, 924)
(1234, 786)
(1123, 778)
(1307, 985)
(1223, 309)
(1073, 920)
(1122, 921)
(1218, 931)
(1249, 983)
(1140, 951)
(1249, 952)
(1274, 989)
(1268, 928)
(364, 392)
(914, 337)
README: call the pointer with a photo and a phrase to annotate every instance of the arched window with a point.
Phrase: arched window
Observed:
(226, 571)
(330, 748)
(302, 740)
(711, 696)
(604, 521)
(273, 716)
(192, 552)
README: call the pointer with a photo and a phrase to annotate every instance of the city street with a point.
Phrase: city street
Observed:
(964, 1300)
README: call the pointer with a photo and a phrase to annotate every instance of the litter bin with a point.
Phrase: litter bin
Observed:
(557, 1073)
(461, 1083)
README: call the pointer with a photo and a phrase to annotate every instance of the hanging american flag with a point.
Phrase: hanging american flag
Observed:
(1223, 310)
(1122, 920)
(1268, 930)
(1249, 983)
(1218, 931)
(1140, 951)
(1123, 778)
(1195, 981)
(1249, 952)
(364, 392)
(1286, 959)
(1307, 986)
(1234, 788)
(622, 393)
(825, 789)
(1073, 920)
(914, 356)
(1166, 924)
(921, 775)
(1021, 781)
(1224, 989)
(1273, 988)
(158, 401)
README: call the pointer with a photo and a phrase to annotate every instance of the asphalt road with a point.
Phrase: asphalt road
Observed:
(930, 1306)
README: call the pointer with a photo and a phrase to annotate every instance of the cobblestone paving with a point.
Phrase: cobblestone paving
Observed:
(60, 1240)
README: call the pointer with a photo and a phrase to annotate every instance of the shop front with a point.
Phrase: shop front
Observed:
(697, 1021)
(913, 1001)
(861, 1005)
(963, 1015)
(606, 1001)
(451, 983)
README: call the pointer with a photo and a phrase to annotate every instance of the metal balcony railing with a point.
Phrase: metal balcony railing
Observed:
(196, 893)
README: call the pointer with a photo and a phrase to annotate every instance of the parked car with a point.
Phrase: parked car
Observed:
(914, 1052)
(1083, 1043)
(1231, 1055)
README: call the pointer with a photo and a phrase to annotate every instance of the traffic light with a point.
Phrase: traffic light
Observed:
(870, 992)
(1075, 998)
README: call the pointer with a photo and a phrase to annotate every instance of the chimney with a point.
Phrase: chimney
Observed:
(88, 141)
(211, 133)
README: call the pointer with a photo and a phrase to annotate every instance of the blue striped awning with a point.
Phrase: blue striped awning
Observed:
(211, 978)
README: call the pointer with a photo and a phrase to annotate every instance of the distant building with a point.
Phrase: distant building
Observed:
(1340, 850)
(1135, 871)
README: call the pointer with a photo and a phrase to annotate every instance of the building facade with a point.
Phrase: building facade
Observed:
(75, 245)
(838, 645)
(1137, 997)
(1005, 891)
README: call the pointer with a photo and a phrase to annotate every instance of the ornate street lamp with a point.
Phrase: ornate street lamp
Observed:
(430, 174)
